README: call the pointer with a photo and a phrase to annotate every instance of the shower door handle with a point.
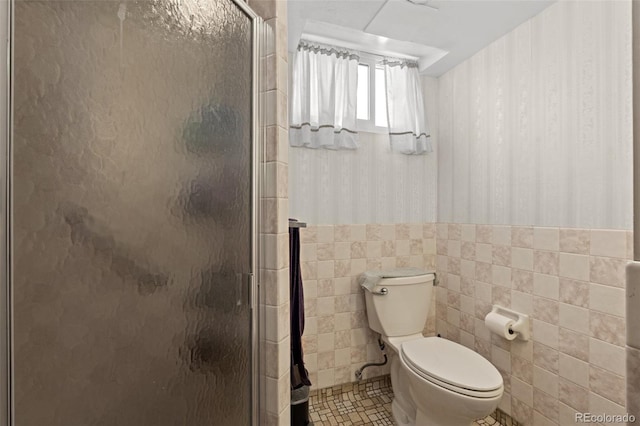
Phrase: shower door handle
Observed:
(246, 292)
(252, 290)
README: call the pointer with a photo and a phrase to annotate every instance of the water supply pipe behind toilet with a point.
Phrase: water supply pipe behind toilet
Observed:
(372, 364)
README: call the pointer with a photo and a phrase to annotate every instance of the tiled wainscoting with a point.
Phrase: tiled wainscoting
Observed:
(633, 386)
(571, 283)
(337, 339)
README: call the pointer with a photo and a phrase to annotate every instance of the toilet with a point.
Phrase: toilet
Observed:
(436, 382)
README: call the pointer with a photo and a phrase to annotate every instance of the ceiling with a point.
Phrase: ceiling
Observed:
(459, 27)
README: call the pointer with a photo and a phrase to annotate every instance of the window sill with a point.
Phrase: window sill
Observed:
(368, 127)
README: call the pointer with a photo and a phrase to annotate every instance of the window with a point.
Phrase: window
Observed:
(372, 96)
(381, 98)
(362, 105)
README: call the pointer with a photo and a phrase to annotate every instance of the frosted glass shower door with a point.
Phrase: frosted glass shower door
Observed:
(132, 179)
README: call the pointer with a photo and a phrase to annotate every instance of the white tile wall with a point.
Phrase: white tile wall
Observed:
(576, 358)
(337, 339)
(274, 273)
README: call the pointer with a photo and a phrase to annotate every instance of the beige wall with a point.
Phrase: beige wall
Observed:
(571, 283)
(274, 243)
(561, 80)
(535, 129)
(337, 339)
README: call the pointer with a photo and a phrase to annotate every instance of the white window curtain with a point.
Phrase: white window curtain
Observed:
(408, 132)
(323, 102)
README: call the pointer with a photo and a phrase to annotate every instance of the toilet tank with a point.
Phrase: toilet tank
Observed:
(403, 310)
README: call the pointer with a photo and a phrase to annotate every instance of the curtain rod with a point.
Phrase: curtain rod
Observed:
(352, 46)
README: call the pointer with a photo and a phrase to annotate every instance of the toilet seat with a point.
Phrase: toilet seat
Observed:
(452, 366)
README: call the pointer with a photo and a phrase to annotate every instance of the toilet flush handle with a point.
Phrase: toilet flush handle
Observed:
(382, 292)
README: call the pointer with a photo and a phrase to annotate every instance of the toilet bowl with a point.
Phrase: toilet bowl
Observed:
(436, 382)
(450, 384)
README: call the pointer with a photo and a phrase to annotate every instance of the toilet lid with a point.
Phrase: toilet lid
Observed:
(452, 365)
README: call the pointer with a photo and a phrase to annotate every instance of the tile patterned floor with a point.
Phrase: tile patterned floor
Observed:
(367, 403)
(364, 403)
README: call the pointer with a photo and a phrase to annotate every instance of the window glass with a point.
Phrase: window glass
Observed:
(381, 98)
(362, 107)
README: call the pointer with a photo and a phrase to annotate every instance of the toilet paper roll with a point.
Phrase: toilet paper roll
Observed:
(500, 325)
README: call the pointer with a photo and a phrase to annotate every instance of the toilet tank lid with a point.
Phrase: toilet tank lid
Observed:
(369, 279)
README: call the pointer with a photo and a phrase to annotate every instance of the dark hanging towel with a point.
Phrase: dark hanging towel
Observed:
(299, 375)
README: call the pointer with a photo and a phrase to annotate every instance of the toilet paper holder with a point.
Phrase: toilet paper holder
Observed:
(521, 325)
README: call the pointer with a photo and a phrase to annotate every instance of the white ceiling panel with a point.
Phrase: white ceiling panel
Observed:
(355, 14)
(460, 27)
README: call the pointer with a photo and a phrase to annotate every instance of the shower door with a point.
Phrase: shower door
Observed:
(133, 212)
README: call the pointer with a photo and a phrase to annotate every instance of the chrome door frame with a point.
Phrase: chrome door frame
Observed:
(6, 295)
(256, 161)
(630, 285)
(6, 165)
